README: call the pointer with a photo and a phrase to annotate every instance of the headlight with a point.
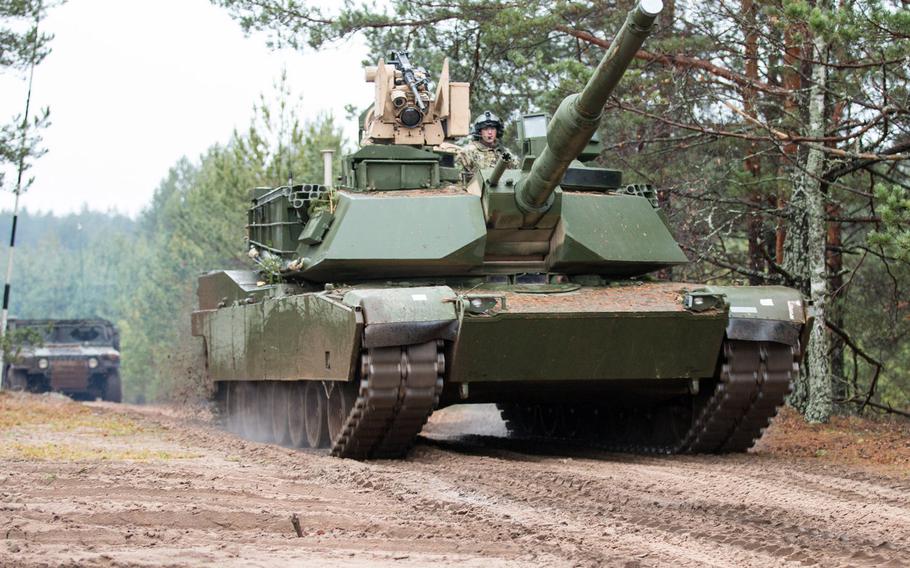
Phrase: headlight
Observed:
(92, 363)
(42, 363)
(484, 305)
(701, 301)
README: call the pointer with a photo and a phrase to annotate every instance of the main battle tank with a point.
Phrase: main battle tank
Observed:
(401, 289)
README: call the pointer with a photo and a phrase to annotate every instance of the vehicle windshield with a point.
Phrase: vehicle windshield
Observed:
(57, 333)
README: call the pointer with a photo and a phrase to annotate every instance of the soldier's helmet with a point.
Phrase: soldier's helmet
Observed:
(486, 119)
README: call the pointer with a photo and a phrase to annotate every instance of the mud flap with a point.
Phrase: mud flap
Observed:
(764, 330)
(406, 316)
(764, 313)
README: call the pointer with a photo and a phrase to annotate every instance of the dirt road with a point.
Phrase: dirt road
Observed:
(104, 485)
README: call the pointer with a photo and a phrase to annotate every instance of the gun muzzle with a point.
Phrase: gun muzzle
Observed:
(499, 168)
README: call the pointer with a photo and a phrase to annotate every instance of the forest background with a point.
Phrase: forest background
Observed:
(777, 132)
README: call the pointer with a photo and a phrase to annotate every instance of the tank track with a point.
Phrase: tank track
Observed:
(399, 388)
(378, 416)
(754, 378)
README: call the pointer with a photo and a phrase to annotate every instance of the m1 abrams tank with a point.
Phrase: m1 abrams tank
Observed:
(77, 357)
(400, 290)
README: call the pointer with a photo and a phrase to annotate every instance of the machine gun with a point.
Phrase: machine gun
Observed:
(409, 109)
(401, 61)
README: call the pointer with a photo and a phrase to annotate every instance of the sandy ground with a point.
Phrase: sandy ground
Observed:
(100, 484)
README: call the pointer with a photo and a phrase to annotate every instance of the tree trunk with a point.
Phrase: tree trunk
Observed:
(835, 262)
(755, 221)
(792, 83)
(819, 404)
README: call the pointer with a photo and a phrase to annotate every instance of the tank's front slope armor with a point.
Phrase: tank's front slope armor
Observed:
(399, 233)
(618, 235)
(637, 331)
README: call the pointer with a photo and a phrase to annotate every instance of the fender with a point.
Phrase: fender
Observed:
(405, 316)
(765, 313)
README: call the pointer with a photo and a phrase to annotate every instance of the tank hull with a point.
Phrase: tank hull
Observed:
(565, 349)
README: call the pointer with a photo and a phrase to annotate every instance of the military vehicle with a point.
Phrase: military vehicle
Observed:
(77, 357)
(396, 289)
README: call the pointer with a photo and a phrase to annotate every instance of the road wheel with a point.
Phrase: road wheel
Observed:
(296, 414)
(341, 401)
(571, 422)
(550, 418)
(232, 407)
(112, 388)
(246, 409)
(262, 414)
(278, 403)
(315, 403)
(532, 414)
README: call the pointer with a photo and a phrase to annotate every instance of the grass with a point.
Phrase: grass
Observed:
(25, 419)
(23, 412)
(50, 451)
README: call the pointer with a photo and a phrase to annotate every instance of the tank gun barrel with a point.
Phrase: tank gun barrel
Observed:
(578, 116)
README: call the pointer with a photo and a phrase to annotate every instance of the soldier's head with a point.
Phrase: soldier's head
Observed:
(487, 128)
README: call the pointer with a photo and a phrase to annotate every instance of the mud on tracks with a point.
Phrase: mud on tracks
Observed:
(167, 488)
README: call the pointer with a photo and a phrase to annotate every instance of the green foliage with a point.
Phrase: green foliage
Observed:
(508, 51)
(69, 266)
(270, 268)
(22, 45)
(18, 33)
(195, 224)
(894, 208)
(12, 342)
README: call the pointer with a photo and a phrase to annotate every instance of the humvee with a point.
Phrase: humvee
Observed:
(77, 357)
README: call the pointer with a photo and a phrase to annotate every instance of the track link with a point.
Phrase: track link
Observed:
(755, 378)
(753, 381)
(399, 388)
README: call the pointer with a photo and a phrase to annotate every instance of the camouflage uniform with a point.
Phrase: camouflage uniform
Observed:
(476, 155)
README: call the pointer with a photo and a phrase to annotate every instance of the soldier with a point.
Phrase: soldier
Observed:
(484, 150)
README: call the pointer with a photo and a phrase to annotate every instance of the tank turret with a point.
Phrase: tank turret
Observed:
(400, 208)
(578, 116)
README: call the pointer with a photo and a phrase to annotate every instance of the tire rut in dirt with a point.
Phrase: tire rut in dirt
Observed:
(704, 505)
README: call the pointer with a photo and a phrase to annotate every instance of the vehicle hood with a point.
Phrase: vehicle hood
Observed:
(69, 351)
